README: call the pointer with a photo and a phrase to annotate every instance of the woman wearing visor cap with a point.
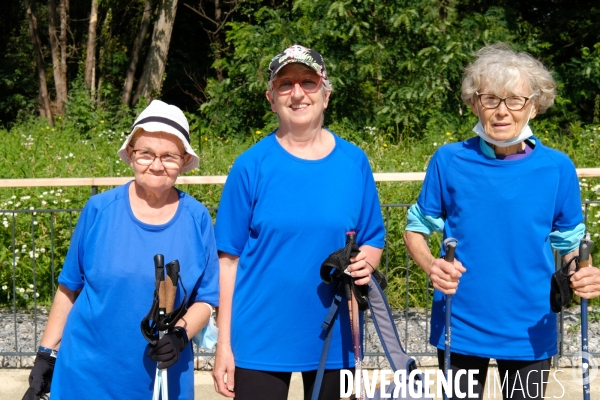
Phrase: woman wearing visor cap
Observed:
(107, 281)
(287, 204)
(509, 200)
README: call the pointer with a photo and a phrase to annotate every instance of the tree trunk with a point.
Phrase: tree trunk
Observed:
(45, 110)
(222, 11)
(59, 81)
(217, 41)
(151, 81)
(135, 53)
(90, 58)
(62, 42)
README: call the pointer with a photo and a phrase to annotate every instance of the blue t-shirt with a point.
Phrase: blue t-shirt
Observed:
(103, 353)
(502, 213)
(283, 215)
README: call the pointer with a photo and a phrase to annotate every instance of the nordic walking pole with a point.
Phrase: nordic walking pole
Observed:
(354, 324)
(160, 380)
(450, 245)
(585, 247)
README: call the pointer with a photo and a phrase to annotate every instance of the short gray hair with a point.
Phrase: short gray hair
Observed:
(502, 68)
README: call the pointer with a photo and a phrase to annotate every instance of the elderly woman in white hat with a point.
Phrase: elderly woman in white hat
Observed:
(107, 281)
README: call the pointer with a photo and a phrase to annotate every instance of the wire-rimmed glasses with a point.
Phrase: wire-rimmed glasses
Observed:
(146, 158)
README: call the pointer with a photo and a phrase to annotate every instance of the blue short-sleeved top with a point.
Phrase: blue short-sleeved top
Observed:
(502, 213)
(103, 353)
(283, 215)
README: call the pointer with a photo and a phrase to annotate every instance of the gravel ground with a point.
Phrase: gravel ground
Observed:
(412, 327)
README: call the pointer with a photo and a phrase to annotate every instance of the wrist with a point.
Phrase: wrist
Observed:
(430, 266)
(372, 267)
(51, 352)
(183, 334)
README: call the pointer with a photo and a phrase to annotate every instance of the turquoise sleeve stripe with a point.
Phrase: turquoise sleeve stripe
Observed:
(567, 241)
(419, 222)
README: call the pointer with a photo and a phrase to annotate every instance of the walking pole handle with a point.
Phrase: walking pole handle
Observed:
(350, 239)
(171, 284)
(585, 248)
(159, 268)
(450, 245)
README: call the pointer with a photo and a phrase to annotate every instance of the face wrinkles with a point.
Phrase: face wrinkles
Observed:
(155, 176)
(500, 123)
(298, 107)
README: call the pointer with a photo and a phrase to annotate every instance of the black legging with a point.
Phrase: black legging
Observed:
(525, 380)
(251, 384)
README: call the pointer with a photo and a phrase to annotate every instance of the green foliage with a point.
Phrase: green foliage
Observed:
(395, 65)
(18, 79)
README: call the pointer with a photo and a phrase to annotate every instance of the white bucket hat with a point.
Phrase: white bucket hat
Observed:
(162, 117)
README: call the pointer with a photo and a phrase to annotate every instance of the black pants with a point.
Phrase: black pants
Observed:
(515, 379)
(251, 384)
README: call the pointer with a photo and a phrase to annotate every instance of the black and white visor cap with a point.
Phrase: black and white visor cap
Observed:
(162, 117)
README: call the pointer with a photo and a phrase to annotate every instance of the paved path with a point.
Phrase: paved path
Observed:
(13, 383)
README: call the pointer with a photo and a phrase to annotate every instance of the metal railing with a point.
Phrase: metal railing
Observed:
(46, 220)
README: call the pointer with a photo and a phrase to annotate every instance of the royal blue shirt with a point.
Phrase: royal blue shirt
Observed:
(502, 213)
(283, 215)
(103, 353)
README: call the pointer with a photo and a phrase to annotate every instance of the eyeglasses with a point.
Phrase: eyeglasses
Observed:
(146, 158)
(308, 84)
(513, 103)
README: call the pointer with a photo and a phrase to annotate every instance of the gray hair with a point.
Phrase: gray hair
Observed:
(502, 69)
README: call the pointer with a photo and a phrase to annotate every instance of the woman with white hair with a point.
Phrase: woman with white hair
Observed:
(508, 200)
(92, 347)
(287, 204)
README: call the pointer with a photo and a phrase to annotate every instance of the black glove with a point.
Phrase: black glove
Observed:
(40, 377)
(560, 286)
(168, 348)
